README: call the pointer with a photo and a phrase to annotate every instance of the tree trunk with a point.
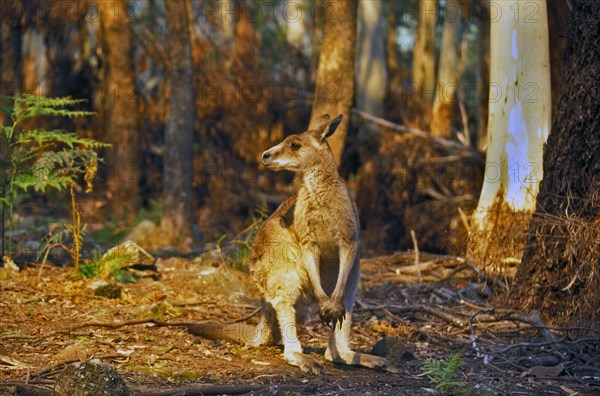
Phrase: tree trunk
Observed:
(519, 125)
(120, 102)
(10, 84)
(559, 16)
(334, 93)
(10, 51)
(35, 65)
(445, 97)
(176, 222)
(559, 273)
(371, 73)
(295, 13)
(424, 62)
(397, 74)
(227, 15)
(483, 72)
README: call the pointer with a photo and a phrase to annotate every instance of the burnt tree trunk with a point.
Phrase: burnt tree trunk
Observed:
(559, 271)
(559, 15)
(121, 111)
(10, 84)
(10, 49)
(176, 222)
(334, 92)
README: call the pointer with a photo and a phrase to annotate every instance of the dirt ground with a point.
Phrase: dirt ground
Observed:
(48, 320)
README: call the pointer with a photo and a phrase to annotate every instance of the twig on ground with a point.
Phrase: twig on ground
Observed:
(244, 318)
(392, 310)
(416, 246)
(48, 249)
(451, 319)
(53, 367)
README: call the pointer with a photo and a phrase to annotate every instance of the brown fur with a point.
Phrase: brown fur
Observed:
(305, 252)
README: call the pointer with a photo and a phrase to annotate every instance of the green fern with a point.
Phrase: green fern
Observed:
(441, 372)
(41, 159)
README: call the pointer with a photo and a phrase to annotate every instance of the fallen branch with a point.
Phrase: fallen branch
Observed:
(204, 389)
(55, 366)
(397, 309)
(193, 389)
(32, 390)
(451, 319)
(417, 132)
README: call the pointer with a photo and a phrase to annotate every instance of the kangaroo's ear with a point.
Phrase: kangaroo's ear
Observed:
(320, 123)
(327, 127)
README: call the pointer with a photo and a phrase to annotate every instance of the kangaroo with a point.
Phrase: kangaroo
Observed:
(307, 251)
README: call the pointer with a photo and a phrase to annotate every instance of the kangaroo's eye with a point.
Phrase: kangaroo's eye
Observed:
(295, 146)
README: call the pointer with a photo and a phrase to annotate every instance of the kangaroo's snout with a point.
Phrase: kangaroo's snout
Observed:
(266, 155)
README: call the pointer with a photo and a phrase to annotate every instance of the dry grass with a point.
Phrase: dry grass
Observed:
(561, 269)
(498, 249)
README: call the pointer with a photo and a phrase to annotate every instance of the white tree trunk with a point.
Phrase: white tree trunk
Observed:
(441, 122)
(518, 125)
(371, 72)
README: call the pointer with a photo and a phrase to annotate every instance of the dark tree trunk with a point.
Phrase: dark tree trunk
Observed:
(559, 15)
(10, 84)
(560, 267)
(176, 221)
(334, 92)
(120, 104)
(11, 77)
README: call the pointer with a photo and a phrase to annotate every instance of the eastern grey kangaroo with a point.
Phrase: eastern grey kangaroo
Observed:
(306, 251)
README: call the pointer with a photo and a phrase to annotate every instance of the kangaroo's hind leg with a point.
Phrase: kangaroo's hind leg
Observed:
(338, 345)
(338, 349)
(292, 350)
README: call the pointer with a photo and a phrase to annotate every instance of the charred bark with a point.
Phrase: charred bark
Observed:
(559, 272)
(176, 222)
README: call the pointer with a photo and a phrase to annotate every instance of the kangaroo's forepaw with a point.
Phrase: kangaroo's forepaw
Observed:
(305, 363)
(331, 313)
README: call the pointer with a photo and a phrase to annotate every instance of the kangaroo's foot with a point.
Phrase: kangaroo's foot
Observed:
(352, 358)
(304, 362)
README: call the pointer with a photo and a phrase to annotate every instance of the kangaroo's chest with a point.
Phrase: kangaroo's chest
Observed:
(318, 223)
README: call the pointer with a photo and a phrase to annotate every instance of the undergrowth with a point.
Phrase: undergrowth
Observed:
(441, 372)
(40, 160)
(238, 253)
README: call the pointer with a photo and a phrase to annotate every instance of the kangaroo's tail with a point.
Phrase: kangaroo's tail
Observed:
(261, 334)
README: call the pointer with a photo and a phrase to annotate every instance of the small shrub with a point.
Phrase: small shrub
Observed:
(441, 372)
(42, 160)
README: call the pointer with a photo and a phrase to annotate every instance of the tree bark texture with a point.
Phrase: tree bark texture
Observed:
(334, 92)
(424, 62)
(559, 273)
(371, 78)
(519, 124)
(121, 104)
(445, 96)
(176, 222)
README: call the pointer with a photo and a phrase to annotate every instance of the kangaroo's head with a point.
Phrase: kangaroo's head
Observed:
(305, 151)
